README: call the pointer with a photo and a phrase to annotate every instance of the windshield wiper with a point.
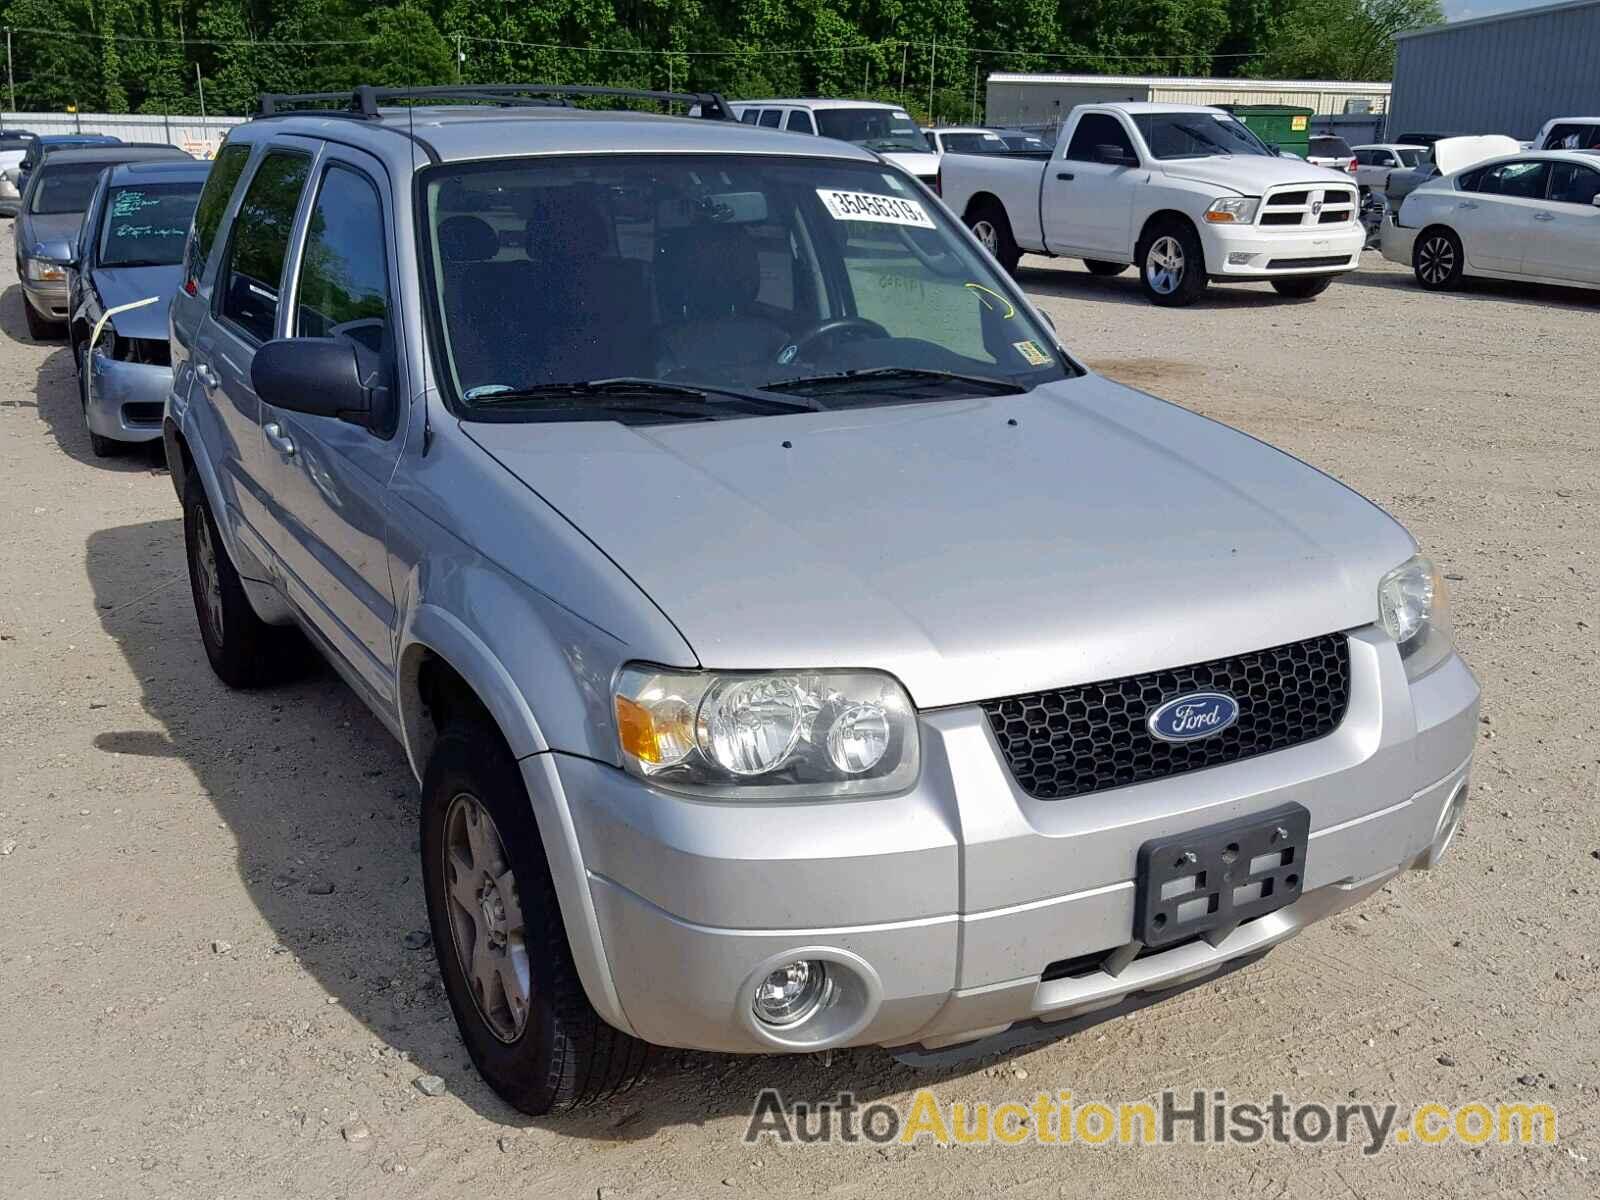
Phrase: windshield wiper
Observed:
(615, 391)
(874, 376)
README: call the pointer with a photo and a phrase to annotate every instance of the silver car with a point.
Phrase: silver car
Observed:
(797, 648)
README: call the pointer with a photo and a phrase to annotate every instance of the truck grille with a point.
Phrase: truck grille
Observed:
(1309, 206)
(1079, 740)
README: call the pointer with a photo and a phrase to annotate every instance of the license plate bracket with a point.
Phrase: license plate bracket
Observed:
(1208, 881)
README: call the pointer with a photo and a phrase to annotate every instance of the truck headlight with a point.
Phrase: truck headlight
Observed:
(44, 270)
(1415, 611)
(1233, 210)
(777, 735)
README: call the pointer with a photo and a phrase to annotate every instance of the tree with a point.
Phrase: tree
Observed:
(1341, 39)
(406, 49)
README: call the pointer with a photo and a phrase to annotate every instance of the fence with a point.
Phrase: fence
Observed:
(200, 136)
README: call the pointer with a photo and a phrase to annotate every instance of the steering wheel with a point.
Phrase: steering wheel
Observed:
(832, 327)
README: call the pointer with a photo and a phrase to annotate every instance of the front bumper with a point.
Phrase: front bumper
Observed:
(1245, 252)
(943, 907)
(126, 399)
(49, 300)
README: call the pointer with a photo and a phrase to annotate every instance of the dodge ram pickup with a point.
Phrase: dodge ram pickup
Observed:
(1186, 193)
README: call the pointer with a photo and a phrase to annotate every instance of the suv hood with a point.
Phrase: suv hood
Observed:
(1251, 174)
(1106, 533)
(919, 163)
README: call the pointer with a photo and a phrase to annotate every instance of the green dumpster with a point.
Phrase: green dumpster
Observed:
(1281, 125)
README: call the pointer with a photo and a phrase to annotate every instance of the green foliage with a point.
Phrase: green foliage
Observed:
(145, 55)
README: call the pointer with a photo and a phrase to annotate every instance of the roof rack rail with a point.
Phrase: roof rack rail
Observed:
(365, 100)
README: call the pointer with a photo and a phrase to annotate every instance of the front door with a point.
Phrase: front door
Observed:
(1086, 208)
(1564, 240)
(328, 478)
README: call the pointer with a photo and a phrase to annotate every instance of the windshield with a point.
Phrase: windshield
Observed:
(974, 143)
(747, 273)
(884, 129)
(1411, 158)
(1196, 135)
(1330, 147)
(65, 188)
(145, 225)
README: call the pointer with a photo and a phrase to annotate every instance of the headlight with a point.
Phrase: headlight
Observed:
(1233, 210)
(44, 270)
(767, 736)
(1416, 612)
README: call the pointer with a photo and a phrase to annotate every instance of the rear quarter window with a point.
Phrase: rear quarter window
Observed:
(214, 197)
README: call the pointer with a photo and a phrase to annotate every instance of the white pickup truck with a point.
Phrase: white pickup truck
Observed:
(1187, 193)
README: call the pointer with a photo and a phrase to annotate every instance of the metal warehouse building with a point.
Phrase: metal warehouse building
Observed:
(1044, 99)
(1502, 74)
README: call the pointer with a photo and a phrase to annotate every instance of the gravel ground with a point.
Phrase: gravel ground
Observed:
(190, 1011)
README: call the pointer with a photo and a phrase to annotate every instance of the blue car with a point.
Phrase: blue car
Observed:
(126, 268)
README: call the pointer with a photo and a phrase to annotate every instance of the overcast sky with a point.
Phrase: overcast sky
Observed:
(1460, 10)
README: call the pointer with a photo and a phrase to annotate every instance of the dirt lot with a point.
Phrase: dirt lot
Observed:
(189, 1011)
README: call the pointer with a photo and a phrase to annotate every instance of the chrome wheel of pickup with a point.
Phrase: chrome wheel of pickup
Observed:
(984, 231)
(486, 922)
(1164, 265)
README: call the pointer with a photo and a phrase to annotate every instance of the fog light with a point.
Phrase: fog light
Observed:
(1239, 258)
(792, 993)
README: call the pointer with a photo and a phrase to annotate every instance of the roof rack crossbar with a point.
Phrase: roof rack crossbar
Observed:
(365, 101)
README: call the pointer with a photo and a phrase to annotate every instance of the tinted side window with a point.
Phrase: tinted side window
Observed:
(1573, 137)
(1525, 180)
(214, 198)
(1097, 129)
(771, 117)
(750, 116)
(254, 268)
(1574, 184)
(344, 275)
(800, 120)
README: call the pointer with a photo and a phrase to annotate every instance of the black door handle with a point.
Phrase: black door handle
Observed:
(1067, 175)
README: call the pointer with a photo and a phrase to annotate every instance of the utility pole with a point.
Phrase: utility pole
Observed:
(974, 89)
(11, 80)
(933, 62)
(460, 58)
(905, 55)
(201, 84)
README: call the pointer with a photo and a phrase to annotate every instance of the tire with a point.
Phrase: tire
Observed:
(550, 1052)
(1302, 287)
(1172, 265)
(1437, 259)
(1104, 269)
(103, 447)
(244, 651)
(41, 329)
(991, 226)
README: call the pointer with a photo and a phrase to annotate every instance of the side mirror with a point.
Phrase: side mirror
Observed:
(1114, 156)
(58, 251)
(317, 376)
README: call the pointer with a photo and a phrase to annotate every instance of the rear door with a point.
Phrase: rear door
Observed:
(1494, 221)
(1564, 239)
(326, 478)
(242, 314)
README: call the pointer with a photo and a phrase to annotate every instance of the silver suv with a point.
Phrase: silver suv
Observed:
(796, 647)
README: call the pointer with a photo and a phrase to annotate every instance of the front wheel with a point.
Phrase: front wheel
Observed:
(1172, 264)
(1104, 269)
(499, 939)
(103, 447)
(1438, 260)
(1302, 287)
(991, 226)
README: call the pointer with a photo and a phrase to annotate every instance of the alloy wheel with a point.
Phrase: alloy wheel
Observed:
(205, 559)
(485, 916)
(1436, 261)
(1164, 265)
(985, 232)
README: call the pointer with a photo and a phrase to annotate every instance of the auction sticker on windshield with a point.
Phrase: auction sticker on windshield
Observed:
(869, 206)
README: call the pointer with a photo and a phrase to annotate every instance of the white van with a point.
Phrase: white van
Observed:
(885, 128)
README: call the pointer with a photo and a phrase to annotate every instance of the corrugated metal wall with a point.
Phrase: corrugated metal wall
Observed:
(1327, 103)
(1500, 76)
(200, 136)
(1045, 103)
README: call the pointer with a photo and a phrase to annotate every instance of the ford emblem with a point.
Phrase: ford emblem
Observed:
(1191, 717)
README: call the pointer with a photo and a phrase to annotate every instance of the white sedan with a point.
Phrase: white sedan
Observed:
(1533, 216)
(1373, 163)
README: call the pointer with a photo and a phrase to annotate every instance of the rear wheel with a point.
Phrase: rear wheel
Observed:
(1106, 269)
(1302, 287)
(1172, 265)
(499, 938)
(1437, 259)
(992, 227)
